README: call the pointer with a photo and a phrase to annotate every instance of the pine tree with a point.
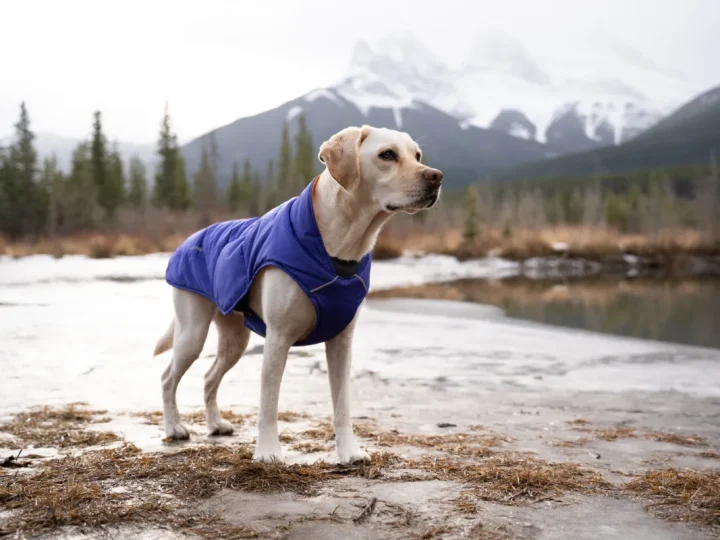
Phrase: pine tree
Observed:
(234, 194)
(114, 188)
(80, 190)
(181, 199)
(205, 186)
(471, 218)
(254, 195)
(304, 162)
(99, 161)
(284, 163)
(269, 191)
(53, 183)
(138, 184)
(18, 190)
(171, 188)
(7, 183)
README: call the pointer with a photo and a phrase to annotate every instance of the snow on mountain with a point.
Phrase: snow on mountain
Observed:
(587, 95)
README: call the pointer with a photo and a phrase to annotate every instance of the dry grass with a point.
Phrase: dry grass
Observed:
(578, 422)
(613, 434)
(609, 434)
(287, 437)
(710, 455)
(123, 485)
(155, 418)
(63, 427)
(681, 494)
(516, 244)
(310, 447)
(95, 245)
(521, 244)
(457, 444)
(683, 440)
(290, 416)
(512, 478)
(575, 443)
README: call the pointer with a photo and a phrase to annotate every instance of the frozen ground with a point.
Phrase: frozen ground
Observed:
(83, 330)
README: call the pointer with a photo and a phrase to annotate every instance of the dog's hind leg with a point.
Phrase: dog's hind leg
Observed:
(193, 314)
(233, 338)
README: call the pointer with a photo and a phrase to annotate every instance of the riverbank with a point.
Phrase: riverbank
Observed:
(480, 426)
(565, 250)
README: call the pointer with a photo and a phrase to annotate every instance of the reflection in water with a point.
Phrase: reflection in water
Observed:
(679, 311)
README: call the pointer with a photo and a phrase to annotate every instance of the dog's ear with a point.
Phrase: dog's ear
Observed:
(341, 155)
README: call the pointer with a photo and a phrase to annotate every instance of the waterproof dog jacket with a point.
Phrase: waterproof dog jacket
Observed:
(221, 261)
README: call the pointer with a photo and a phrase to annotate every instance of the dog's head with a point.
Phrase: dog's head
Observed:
(383, 165)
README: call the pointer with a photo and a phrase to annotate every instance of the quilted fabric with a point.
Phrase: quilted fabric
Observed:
(220, 262)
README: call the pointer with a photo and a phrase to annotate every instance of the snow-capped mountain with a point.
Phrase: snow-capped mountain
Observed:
(590, 95)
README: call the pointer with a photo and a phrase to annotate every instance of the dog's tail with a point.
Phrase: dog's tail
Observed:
(165, 343)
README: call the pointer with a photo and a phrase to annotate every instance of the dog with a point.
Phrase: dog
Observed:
(247, 277)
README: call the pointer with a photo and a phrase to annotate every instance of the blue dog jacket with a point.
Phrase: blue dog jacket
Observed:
(221, 261)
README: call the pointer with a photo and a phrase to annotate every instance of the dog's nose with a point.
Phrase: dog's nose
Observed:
(433, 176)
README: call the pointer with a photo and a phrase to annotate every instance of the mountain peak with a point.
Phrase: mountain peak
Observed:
(496, 51)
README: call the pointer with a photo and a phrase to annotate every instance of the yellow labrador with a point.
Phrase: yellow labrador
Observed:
(370, 174)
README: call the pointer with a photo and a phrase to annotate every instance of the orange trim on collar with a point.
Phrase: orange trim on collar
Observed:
(315, 184)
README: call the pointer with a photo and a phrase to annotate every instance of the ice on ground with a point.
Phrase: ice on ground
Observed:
(78, 329)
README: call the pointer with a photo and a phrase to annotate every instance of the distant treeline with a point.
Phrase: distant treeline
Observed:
(38, 199)
(635, 202)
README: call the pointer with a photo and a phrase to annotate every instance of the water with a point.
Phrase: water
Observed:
(676, 311)
(76, 329)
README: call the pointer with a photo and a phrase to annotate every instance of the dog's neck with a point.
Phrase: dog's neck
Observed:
(349, 224)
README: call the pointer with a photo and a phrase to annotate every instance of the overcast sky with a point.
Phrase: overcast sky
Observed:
(216, 61)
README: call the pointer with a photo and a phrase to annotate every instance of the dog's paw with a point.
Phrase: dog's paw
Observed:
(268, 457)
(352, 454)
(220, 427)
(268, 453)
(177, 432)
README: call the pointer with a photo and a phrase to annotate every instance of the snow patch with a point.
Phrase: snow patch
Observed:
(293, 112)
(397, 114)
(323, 93)
(520, 132)
(614, 97)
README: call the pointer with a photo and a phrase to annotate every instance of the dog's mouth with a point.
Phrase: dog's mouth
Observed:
(431, 199)
(428, 200)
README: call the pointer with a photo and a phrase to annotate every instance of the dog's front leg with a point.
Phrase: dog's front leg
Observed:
(339, 360)
(276, 350)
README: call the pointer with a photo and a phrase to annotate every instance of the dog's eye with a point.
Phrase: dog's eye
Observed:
(418, 156)
(388, 155)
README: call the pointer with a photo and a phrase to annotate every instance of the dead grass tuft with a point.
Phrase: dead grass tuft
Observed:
(576, 443)
(155, 418)
(513, 478)
(457, 444)
(482, 532)
(63, 427)
(710, 455)
(287, 437)
(578, 422)
(683, 440)
(610, 434)
(123, 485)
(290, 416)
(310, 447)
(523, 243)
(681, 494)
